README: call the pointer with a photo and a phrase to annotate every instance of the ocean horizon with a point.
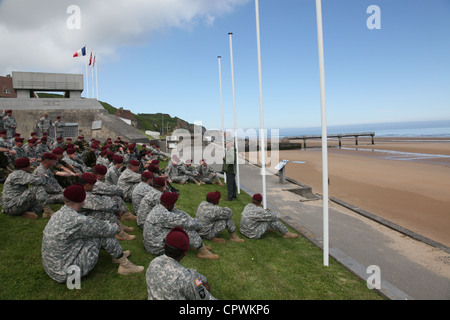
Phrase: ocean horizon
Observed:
(422, 129)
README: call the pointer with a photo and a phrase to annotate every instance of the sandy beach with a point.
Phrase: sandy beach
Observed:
(404, 180)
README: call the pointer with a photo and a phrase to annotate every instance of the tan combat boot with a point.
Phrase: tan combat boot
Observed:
(126, 228)
(289, 235)
(204, 253)
(126, 254)
(235, 238)
(48, 212)
(219, 240)
(29, 215)
(122, 235)
(126, 267)
(128, 216)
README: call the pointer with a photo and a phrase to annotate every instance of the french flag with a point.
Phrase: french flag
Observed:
(81, 52)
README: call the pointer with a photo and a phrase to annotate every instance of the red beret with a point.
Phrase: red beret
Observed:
(152, 168)
(8, 111)
(109, 153)
(159, 181)
(134, 163)
(169, 198)
(19, 139)
(94, 146)
(59, 139)
(69, 139)
(44, 138)
(117, 159)
(131, 147)
(58, 117)
(257, 197)
(22, 163)
(100, 169)
(89, 178)
(49, 156)
(3, 132)
(155, 162)
(16, 134)
(58, 151)
(178, 238)
(70, 151)
(213, 197)
(75, 193)
(147, 175)
(33, 134)
(104, 153)
(32, 140)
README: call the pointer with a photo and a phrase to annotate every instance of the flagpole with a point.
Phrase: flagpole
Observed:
(324, 131)
(92, 73)
(221, 110)
(262, 143)
(235, 120)
(87, 78)
(96, 73)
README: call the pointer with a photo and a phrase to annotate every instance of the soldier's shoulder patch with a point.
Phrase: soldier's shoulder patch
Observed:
(198, 282)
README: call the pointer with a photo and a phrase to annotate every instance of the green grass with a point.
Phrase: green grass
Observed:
(270, 268)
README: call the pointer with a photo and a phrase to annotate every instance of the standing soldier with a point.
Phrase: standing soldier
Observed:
(59, 126)
(72, 239)
(2, 115)
(10, 124)
(167, 279)
(255, 220)
(215, 219)
(44, 125)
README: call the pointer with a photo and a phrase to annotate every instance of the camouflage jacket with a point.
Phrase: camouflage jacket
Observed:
(254, 220)
(138, 193)
(160, 222)
(44, 124)
(51, 184)
(128, 180)
(148, 202)
(167, 279)
(16, 184)
(67, 235)
(112, 175)
(100, 207)
(208, 214)
(41, 149)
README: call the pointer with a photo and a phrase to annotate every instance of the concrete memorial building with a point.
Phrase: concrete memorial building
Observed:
(81, 115)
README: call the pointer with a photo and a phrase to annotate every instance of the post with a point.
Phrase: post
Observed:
(235, 119)
(261, 131)
(221, 112)
(324, 131)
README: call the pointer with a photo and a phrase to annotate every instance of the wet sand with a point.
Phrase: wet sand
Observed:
(403, 180)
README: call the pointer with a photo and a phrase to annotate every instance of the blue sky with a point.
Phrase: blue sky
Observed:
(165, 59)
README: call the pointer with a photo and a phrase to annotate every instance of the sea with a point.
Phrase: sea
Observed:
(418, 129)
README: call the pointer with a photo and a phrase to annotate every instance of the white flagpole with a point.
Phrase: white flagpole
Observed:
(87, 78)
(262, 143)
(92, 72)
(324, 131)
(96, 73)
(221, 110)
(235, 120)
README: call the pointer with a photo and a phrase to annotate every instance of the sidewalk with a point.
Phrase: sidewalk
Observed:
(410, 269)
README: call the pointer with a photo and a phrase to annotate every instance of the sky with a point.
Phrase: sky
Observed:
(162, 56)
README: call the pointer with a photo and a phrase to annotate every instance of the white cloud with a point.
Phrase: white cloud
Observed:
(35, 37)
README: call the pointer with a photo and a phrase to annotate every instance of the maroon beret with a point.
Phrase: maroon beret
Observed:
(59, 139)
(134, 163)
(44, 138)
(104, 153)
(213, 197)
(89, 178)
(147, 174)
(155, 162)
(22, 163)
(178, 238)
(169, 198)
(19, 139)
(159, 181)
(58, 117)
(3, 132)
(131, 147)
(8, 111)
(33, 134)
(49, 156)
(70, 151)
(152, 168)
(117, 159)
(100, 169)
(257, 197)
(110, 153)
(75, 193)
(94, 146)
(58, 151)
(16, 134)
(68, 139)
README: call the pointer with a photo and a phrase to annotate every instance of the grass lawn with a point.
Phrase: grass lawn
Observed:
(271, 268)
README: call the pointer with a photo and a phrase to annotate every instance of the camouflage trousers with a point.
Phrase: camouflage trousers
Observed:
(179, 179)
(209, 179)
(33, 199)
(88, 255)
(264, 226)
(217, 228)
(195, 241)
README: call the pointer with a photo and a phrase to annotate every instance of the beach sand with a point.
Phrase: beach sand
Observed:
(410, 188)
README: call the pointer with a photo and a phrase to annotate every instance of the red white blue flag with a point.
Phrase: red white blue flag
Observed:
(81, 52)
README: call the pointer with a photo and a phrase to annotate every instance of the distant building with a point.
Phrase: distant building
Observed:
(127, 116)
(7, 87)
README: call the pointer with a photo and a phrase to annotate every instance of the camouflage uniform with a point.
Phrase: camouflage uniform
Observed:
(255, 221)
(128, 180)
(167, 279)
(42, 148)
(72, 239)
(112, 175)
(9, 122)
(207, 174)
(100, 207)
(114, 192)
(188, 171)
(161, 221)
(20, 153)
(59, 126)
(214, 220)
(18, 198)
(78, 165)
(174, 174)
(44, 125)
(51, 186)
(148, 202)
(138, 193)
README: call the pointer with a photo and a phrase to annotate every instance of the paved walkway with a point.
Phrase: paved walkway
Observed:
(410, 268)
